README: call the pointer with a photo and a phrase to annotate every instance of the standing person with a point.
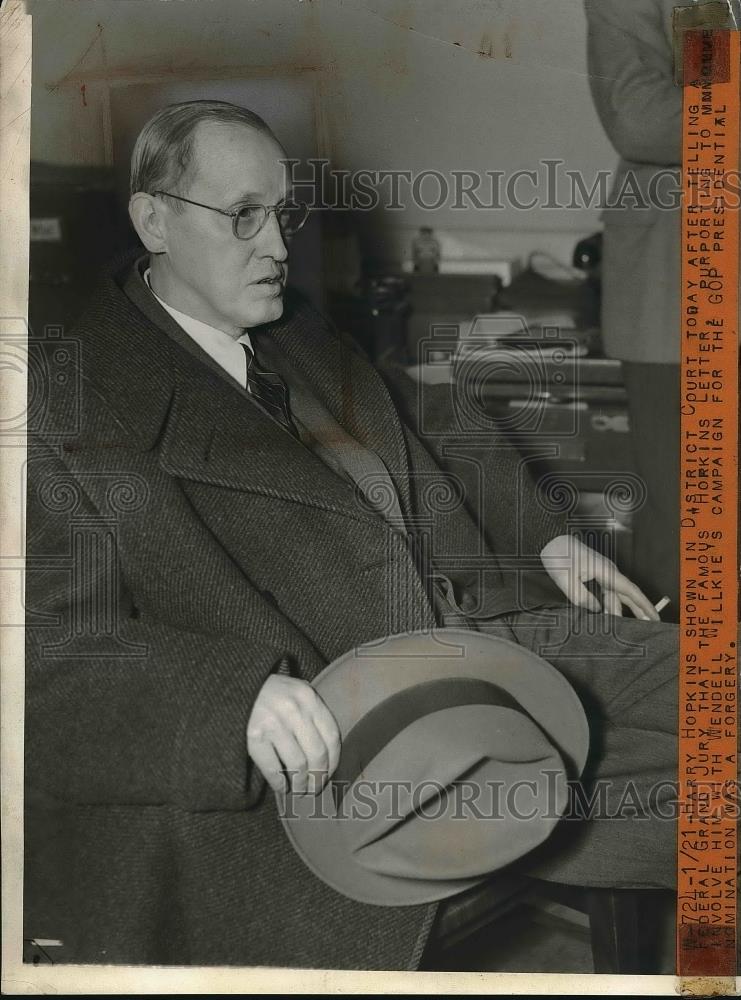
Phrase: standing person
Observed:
(631, 74)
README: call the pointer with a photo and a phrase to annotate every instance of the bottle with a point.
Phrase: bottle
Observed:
(426, 252)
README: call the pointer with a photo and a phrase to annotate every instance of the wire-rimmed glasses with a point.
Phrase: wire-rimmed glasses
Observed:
(248, 220)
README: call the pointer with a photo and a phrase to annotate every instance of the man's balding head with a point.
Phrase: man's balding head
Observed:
(163, 152)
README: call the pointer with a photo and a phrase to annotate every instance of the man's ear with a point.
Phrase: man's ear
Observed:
(147, 217)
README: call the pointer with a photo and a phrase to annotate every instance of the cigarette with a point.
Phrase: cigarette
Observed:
(662, 604)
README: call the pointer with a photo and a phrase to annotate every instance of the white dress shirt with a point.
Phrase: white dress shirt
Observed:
(220, 347)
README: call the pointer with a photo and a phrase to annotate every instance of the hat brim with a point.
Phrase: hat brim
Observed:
(362, 678)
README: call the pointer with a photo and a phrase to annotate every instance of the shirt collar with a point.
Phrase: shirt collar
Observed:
(203, 333)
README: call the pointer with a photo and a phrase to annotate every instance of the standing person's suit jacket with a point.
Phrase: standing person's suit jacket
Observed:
(631, 75)
(180, 545)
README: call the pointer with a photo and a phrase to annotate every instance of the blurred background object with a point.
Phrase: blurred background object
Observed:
(425, 252)
(77, 226)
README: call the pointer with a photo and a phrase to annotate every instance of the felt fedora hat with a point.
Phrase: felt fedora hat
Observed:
(457, 748)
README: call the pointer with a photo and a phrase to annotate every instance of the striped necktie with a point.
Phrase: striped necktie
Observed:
(270, 391)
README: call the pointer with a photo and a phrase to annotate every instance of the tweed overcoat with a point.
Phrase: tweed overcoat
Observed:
(180, 543)
(631, 75)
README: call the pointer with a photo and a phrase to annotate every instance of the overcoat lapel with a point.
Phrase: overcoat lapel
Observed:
(214, 436)
(214, 432)
(351, 389)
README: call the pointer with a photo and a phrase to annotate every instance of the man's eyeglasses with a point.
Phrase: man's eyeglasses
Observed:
(248, 220)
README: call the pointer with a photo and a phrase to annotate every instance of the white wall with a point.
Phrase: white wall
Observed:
(399, 84)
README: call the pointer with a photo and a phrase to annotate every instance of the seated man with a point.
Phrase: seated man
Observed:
(226, 499)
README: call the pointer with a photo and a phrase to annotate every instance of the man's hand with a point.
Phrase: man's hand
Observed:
(570, 563)
(291, 730)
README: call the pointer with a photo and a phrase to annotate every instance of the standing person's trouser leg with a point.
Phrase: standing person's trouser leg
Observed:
(653, 403)
(625, 672)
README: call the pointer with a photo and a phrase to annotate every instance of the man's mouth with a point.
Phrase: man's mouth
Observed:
(271, 279)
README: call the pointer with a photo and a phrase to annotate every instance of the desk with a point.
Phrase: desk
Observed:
(567, 415)
(568, 418)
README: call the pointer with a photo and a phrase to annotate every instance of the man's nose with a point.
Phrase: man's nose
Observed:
(271, 239)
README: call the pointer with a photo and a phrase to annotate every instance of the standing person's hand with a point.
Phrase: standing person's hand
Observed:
(291, 734)
(570, 564)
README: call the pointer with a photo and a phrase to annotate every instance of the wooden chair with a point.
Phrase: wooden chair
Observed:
(623, 928)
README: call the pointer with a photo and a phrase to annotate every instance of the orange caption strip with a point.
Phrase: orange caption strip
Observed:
(708, 702)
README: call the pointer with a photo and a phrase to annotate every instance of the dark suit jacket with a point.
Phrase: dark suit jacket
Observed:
(179, 544)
